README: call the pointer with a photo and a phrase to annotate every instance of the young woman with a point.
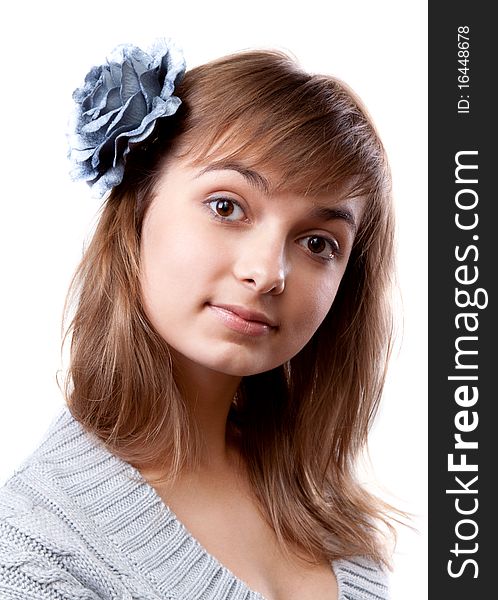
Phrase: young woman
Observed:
(229, 342)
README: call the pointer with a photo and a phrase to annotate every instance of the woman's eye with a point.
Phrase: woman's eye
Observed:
(320, 247)
(225, 209)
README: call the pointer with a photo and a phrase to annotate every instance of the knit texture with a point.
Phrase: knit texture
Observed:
(76, 522)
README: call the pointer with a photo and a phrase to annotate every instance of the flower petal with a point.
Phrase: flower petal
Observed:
(130, 84)
(118, 105)
(99, 123)
(149, 84)
(130, 116)
(107, 180)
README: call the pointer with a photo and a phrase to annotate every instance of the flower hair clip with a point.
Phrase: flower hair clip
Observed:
(118, 105)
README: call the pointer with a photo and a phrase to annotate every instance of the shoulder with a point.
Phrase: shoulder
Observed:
(36, 551)
(361, 579)
(50, 547)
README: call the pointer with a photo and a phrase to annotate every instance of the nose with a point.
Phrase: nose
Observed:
(261, 264)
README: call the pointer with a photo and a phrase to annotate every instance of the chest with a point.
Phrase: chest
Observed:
(231, 528)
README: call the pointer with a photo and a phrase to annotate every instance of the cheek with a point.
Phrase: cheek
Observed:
(326, 295)
(310, 305)
(170, 249)
(317, 298)
(179, 262)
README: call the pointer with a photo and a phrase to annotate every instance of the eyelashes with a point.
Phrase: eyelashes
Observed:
(321, 247)
(228, 210)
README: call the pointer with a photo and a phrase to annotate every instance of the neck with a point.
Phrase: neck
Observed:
(209, 395)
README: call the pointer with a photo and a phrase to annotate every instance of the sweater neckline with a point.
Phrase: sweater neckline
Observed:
(202, 549)
(129, 511)
(195, 542)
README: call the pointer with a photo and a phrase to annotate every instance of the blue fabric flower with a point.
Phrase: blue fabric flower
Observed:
(118, 105)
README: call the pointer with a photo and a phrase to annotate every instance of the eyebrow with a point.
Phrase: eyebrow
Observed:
(331, 214)
(252, 177)
(261, 183)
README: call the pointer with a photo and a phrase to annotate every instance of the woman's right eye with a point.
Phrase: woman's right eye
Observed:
(225, 209)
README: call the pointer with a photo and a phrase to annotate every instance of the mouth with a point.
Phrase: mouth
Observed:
(243, 320)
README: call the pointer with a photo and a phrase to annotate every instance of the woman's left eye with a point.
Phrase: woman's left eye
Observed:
(320, 247)
(226, 209)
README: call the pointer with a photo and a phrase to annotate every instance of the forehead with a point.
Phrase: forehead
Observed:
(269, 174)
(267, 183)
(301, 168)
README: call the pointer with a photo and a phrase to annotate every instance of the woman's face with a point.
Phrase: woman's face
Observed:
(235, 278)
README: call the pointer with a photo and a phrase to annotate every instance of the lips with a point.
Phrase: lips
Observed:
(247, 314)
(243, 320)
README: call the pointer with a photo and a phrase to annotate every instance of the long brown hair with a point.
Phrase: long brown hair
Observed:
(301, 425)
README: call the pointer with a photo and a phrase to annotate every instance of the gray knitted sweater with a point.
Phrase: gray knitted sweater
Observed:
(76, 522)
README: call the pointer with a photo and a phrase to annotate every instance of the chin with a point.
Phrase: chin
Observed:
(238, 365)
(240, 370)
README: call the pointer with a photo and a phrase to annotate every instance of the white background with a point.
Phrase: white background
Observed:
(378, 48)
